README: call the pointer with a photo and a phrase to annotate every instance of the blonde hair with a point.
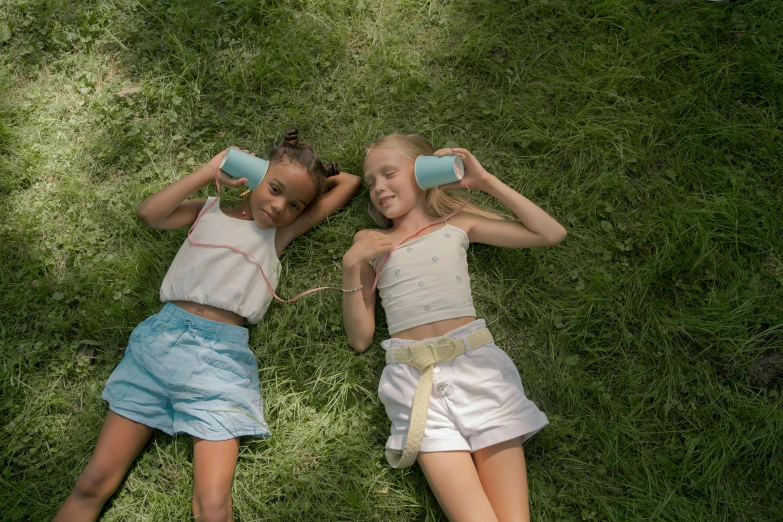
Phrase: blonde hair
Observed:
(439, 203)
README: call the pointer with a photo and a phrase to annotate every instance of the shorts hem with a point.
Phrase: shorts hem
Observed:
(431, 444)
(137, 418)
(227, 436)
(245, 432)
(525, 428)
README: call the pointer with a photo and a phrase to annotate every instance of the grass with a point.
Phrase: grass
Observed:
(650, 129)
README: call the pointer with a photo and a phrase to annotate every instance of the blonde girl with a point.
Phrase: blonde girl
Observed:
(455, 400)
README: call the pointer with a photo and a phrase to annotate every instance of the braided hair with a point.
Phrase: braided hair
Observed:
(295, 151)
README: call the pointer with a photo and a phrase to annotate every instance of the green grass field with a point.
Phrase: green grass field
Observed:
(651, 130)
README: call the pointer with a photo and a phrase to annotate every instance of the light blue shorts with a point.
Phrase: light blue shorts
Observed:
(185, 374)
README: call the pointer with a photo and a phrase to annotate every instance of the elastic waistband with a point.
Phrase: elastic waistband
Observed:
(174, 315)
(471, 327)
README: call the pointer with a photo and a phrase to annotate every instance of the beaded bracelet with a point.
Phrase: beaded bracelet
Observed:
(352, 290)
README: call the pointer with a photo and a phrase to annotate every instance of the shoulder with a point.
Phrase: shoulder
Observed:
(201, 202)
(464, 221)
(197, 205)
(483, 229)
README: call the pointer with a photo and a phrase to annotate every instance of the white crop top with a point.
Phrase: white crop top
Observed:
(426, 280)
(221, 277)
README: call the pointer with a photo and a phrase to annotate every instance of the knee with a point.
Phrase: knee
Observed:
(212, 506)
(95, 484)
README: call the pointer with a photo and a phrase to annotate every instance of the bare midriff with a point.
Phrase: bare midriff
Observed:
(436, 329)
(210, 312)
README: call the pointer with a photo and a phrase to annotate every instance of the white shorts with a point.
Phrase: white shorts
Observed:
(477, 399)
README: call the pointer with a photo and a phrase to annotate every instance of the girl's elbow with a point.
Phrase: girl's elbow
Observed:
(359, 346)
(147, 218)
(354, 182)
(554, 236)
(144, 216)
(360, 341)
(559, 236)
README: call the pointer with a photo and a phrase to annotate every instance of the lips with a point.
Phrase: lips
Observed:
(384, 200)
(269, 216)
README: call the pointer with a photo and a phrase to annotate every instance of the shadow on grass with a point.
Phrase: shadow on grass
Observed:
(82, 269)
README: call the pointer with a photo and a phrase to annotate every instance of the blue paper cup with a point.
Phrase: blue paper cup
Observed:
(432, 171)
(238, 164)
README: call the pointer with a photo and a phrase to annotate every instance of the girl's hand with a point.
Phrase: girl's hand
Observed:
(476, 176)
(370, 245)
(225, 179)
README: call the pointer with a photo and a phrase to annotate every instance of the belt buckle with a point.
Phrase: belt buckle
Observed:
(440, 356)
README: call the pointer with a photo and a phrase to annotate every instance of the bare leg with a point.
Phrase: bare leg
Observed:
(213, 470)
(453, 478)
(501, 469)
(118, 444)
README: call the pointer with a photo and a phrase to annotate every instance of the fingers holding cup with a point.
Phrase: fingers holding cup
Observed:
(228, 181)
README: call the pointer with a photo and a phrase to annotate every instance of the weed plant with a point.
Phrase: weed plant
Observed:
(651, 130)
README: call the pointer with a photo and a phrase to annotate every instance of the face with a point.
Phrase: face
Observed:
(389, 175)
(282, 195)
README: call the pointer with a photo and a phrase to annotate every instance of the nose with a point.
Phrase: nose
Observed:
(277, 205)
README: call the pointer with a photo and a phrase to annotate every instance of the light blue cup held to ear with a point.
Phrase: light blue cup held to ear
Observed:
(238, 164)
(432, 171)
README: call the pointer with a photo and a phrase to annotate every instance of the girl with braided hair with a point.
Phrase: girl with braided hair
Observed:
(188, 369)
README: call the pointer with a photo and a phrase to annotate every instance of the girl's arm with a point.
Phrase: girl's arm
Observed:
(341, 188)
(167, 208)
(535, 227)
(359, 306)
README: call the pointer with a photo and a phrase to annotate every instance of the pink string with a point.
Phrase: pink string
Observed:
(388, 254)
(246, 254)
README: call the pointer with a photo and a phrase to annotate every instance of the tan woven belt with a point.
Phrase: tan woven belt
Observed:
(422, 356)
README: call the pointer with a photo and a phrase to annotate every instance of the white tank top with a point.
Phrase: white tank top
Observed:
(426, 280)
(220, 277)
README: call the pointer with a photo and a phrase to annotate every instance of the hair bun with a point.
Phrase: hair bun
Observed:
(291, 137)
(331, 168)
